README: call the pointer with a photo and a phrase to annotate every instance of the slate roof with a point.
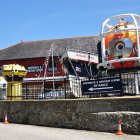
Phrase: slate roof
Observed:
(35, 49)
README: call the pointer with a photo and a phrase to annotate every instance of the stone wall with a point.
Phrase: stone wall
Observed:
(88, 114)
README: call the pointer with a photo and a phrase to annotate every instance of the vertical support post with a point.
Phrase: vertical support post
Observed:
(53, 68)
(26, 91)
(12, 82)
(120, 75)
(44, 89)
(137, 34)
(89, 80)
(136, 84)
(11, 89)
(103, 48)
(65, 88)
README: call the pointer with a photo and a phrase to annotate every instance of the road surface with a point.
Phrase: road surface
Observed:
(29, 132)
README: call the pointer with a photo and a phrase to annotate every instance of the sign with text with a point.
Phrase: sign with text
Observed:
(102, 86)
(34, 68)
(82, 56)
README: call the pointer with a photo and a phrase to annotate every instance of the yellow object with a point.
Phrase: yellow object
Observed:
(14, 90)
(14, 74)
(14, 69)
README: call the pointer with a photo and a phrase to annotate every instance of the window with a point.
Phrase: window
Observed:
(50, 66)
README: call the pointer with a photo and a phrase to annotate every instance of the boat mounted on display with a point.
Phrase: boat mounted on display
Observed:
(78, 64)
(120, 46)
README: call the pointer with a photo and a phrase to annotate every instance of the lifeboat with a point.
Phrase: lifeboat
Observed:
(120, 42)
(14, 70)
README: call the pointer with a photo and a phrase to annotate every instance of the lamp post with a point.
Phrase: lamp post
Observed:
(12, 82)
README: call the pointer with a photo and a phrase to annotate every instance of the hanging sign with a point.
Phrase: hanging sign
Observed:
(102, 86)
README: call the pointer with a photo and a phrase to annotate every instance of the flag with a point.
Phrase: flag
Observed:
(78, 69)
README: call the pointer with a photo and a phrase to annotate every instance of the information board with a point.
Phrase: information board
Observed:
(102, 86)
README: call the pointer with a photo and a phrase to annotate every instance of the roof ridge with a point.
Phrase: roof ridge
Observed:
(51, 39)
(37, 48)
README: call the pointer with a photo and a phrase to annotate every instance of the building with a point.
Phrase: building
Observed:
(37, 58)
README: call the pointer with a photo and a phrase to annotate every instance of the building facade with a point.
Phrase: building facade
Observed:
(36, 56)
(42, 59)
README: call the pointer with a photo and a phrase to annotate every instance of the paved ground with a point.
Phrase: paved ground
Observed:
(29, 132)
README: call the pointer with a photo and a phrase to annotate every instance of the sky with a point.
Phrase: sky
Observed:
(29, 20)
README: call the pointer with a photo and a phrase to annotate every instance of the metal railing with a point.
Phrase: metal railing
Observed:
(46, 89)
(72, 88)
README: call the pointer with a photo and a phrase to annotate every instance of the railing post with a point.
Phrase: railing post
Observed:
(65, 87)
(44, 90)
(26, 97)
(89, 79)
(136, 83)
(11, 89)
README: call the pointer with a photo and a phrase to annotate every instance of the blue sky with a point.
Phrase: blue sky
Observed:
(29, 20)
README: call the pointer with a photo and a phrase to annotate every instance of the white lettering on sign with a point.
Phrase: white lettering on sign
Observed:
(34, 68)
(83, 56)
(100, 85)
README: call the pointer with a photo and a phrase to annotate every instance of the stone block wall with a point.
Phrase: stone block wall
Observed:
(88, 114)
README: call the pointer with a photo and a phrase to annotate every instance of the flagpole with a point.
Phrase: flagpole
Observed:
(53, 68)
